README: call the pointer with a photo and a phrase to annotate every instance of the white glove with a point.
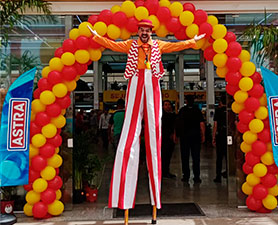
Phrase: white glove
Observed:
(199, 37)
(92, 31)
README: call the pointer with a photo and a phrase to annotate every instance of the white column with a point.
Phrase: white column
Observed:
(181, 80)
(96, 76)
(210, 91)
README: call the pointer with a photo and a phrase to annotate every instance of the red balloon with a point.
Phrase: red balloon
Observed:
(163, 14)
(260, 191)
(209, 53)
(256, 77)
(252, 104)
(273, 169)
(200, 16)
(48, 196)
(119, 19)
(93, 19)
(188, 7)
(33, 175)
(57, 171)
(59, 52)
(34, 129)
(231, 89)
(247, 169)
(263, 210)
(233, 78)
(42, 119)
(230, 37)
(53, 110)
(266, 123)
(82, 42)
(69, 46)
(56, 140)
(139, 3)
(242, 127)
(180, 34)
(252, 159)
(252, 203)
(69, 73)
(258, 148)
(38, 163)
(152, 6)
(39, 210)
(105, 16)
(234, 49)
(28, 187)
(37, 93)
(44, 85)
(233, 64)
(94, 44)
(64, 102)
(81, 68)
(245, 116)
(257, 91)
(264, 135)
(56, 183)
(47, 150)
(59, 130)
(54, 77)
(173, 25)
(206, 28)
(269, 180)
(131, 25)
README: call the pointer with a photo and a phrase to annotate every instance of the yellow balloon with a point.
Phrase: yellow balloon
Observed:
(274, 190)
(199, 44)
(220, 59)
(58, 194)
(141, 13)
(219, 31)
(32, 197)
(252, 180)
(37, 106)
(220, 45)
(56, 64)
(125, 34)
(60, 90)
(115, 8)
(95, 54)
(222, 71)
(256, 126)
(128, 7)
(49, 130)
(270, 202)
(249, 137)
(269, 147)
(38, 140)
(161, 31)
(84, 30)
(55, 208)
(164, 3)
(33, 116)
(245, 147)
(47, 97)
(212, 20)
(245, 84)
(206, 45)
(192, 30)
(186, 18)
(48, 173)
(259, 170)
(59, 121)
(240, 96)
(246, 188)
(176, 9)
(100, 28)
(261, 113)
(263, 100)
(45, 71)
(113, 32)
(57, 150)
(267, 158)
(63, 112)
(237, 107)
(28, 209)
(74, 33)
(68, 59)
(33, 151)
(244, 56)
(247, 69)
(55, 161)
(155, 22)
(40, 185)
(82, 56)
(71, 85)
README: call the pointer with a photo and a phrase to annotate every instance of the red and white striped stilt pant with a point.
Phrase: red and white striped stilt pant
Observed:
(143, 99)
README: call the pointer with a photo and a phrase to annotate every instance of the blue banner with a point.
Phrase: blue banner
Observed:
(15, 131)
(271, 89)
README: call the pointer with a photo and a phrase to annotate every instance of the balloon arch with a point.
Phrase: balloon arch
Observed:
(70, 61)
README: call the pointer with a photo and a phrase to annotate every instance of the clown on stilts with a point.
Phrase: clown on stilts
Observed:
(143, 100)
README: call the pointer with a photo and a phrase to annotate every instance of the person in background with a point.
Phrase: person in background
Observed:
(191, 131)
(168, 138)
(103, 127)
(116, 121)
(219, 138)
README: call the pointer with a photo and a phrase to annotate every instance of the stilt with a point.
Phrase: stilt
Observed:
(154, 215)
(126, 216)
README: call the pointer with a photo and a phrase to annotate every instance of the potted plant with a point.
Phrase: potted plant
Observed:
(7, 201)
